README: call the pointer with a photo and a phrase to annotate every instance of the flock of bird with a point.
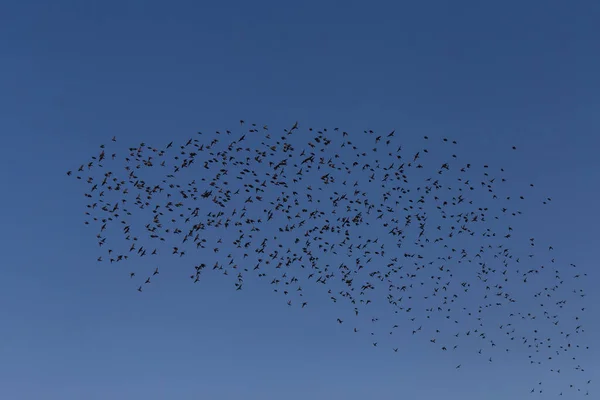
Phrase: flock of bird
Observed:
(358, 216)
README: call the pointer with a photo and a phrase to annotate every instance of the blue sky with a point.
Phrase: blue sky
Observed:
(73, 74)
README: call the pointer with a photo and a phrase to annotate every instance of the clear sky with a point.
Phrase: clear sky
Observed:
(74, 73)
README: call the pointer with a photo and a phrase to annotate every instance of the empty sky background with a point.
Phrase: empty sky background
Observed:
(75, 73)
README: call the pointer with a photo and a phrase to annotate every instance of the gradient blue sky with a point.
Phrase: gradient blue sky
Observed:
(75, 73)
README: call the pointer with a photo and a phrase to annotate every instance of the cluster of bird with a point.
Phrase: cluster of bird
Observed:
(360, 217)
